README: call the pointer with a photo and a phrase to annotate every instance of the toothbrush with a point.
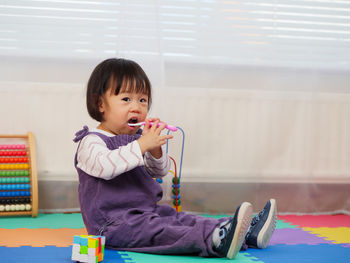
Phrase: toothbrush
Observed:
(169, 127)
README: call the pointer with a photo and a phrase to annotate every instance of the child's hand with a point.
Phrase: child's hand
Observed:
(151, 139)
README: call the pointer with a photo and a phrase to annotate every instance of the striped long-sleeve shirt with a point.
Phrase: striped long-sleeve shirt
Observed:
(95, 159)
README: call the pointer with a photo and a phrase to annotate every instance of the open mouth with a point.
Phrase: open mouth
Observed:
(132, 120)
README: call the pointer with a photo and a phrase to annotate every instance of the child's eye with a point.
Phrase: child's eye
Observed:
(143, 100)
(126, 99)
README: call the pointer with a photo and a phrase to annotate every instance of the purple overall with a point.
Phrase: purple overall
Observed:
(125, 210)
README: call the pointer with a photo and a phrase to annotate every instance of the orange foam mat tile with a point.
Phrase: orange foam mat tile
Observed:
(39, 237)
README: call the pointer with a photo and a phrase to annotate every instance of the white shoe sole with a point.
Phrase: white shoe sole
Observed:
(243, 222)
(267, 230)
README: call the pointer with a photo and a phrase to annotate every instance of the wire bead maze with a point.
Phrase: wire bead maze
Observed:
(18, 176)
(176, 176)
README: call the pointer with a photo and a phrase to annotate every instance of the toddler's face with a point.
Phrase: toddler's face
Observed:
(119, 110)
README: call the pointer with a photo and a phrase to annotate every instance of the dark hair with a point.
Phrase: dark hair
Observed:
(118, 75)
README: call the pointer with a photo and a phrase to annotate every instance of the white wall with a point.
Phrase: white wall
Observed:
(241, 124)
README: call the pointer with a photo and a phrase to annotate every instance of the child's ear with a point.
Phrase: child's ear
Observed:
(101, 105)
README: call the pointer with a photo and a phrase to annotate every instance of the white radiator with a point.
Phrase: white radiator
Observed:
(261, 136)
(231, 135)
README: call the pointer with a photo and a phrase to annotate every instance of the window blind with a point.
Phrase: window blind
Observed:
(292, 33)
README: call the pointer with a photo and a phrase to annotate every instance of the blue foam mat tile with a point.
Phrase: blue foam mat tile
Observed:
(302, 253)
(273, 254)
(50, 254)
(116, 256)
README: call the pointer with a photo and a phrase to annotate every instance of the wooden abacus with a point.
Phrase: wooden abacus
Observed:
(18, 176)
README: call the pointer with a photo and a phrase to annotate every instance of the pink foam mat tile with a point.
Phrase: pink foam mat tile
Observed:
(314, 221)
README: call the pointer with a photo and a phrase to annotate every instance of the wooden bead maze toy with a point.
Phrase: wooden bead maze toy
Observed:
(18, 176)
(176, 179)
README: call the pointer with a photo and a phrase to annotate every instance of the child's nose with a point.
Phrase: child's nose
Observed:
(135, 107)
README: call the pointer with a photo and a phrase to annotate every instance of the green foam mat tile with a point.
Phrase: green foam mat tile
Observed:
(282, 224)
(142, 257)
(52, 221)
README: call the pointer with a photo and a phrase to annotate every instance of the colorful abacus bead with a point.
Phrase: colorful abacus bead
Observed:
(13, 153)
(15, 193)
(14, 187)
(13, 160)
(8, 201)
(12, 146)
(18, 176)
(15, 207)
(20, 166)
(14, 173)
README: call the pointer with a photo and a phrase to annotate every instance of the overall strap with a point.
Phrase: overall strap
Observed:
(81, 134)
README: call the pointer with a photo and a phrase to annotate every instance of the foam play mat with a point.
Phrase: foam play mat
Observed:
(49, 238)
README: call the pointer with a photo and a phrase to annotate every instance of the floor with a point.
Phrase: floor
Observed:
(49, 238)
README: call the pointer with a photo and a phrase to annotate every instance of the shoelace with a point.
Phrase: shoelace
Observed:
(257, 217)
(255, 220)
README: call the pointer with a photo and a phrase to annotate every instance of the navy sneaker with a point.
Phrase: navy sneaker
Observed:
(231, 239)
(262, 226)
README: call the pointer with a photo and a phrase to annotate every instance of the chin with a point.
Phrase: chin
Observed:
(131, 132)
(134, 132)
